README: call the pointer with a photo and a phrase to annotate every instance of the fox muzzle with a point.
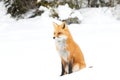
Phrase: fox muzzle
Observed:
(53, 37)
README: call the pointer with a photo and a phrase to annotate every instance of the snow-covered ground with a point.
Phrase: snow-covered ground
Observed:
(27, 49)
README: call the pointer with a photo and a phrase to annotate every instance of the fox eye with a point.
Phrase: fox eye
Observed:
(59, 33)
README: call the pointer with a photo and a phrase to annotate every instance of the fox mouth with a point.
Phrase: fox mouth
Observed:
(61, 42)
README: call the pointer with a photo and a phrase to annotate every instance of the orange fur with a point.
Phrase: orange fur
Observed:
(76, 55)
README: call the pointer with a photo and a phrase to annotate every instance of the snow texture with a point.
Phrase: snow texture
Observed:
(27, 48)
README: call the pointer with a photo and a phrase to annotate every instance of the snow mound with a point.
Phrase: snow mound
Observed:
(65, 12)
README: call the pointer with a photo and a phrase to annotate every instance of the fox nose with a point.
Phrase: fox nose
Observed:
(53, 37)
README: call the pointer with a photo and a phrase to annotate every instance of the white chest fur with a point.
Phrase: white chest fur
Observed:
(61, 45)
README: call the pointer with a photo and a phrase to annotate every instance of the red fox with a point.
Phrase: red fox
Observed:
(71, 55)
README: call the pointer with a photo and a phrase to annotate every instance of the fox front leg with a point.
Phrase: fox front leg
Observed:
(63, 70)
(70, 66)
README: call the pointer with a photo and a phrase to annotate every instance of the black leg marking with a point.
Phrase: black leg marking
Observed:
(70, 67)
(63, 70)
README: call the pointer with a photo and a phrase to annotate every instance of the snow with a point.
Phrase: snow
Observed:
(64, 12)
(116, 11)
(27, 49)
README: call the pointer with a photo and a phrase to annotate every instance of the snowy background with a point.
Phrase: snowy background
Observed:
(27, 49)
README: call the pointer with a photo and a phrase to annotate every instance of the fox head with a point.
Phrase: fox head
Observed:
(61, 31)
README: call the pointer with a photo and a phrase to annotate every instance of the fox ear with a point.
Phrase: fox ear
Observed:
(63, 25)
(55, 24)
